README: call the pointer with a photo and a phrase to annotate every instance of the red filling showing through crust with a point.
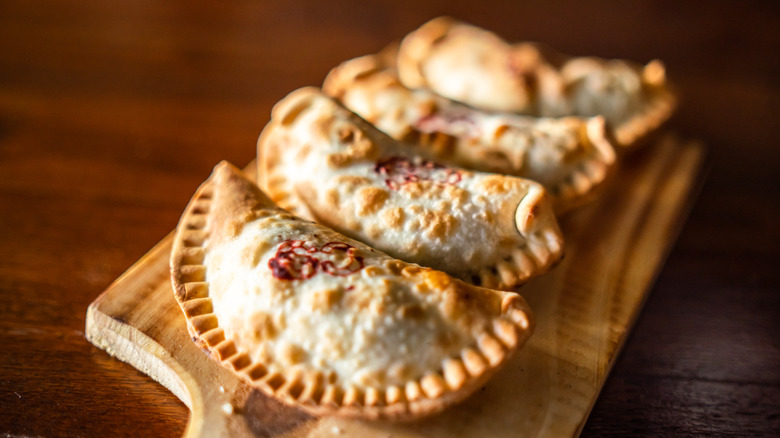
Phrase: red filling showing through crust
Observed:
(399, 171)
(451, 123)
(301, 260)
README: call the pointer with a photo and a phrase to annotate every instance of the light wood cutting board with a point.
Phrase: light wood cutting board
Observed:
(584, 311)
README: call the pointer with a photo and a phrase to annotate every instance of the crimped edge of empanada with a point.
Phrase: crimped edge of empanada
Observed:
(541, 251)
(658, 110)
(458, 377)
(587, 181)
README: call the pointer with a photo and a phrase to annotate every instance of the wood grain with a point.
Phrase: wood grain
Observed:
(584, 308)
(112, 113)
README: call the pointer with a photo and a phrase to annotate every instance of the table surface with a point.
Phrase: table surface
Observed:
(112, 114)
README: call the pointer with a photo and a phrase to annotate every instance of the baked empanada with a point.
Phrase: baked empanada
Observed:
(324, 163)
(570, 156)
(476, 67)
(327, 323)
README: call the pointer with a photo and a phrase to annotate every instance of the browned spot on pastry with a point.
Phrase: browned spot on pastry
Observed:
(394, 217)
(374, 232)
(264, 353)
(234, 227)
(464, 301)
(346, 134)
(416, 248)
(431, 190)
(324, 300)
(258, 252)
(353, 224)
(280, 321)
(415, 190)
(339, 159)
(378, 308)
(285, 217)
(303, 152)
(410, 271)
(495, 184)
(373, 271)
(334, 349)
(395, 266)
(456, 195)
(332, 197)
(454, 303)
(263, 326)
(437, 280)
(370, 200)
(437, 225)
(292, 354)
(358, 300)
(359, 147)
(352, 181)
(412, 311)
(501, 130)
(485, 216)
(444, 206)
(442, 226)
(271, 155)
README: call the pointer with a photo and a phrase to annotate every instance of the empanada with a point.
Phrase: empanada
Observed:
(323, 162)
(570, 156)
(476, 67)
(327, 323)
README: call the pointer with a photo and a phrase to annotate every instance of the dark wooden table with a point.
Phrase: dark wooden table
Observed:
(112, 113)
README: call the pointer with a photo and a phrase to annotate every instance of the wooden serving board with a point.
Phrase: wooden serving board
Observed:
(584, 311)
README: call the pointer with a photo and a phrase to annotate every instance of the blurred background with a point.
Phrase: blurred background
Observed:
(112, 113)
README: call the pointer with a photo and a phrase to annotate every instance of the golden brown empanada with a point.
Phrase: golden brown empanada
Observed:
(327, 323)
(323, 162)
(476, 67)
(570, 156)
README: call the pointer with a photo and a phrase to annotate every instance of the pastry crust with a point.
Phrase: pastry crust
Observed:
(325, 163)
(476, 67)
(327, 323)
(571, 156)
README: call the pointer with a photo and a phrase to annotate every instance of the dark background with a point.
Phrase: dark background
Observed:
(112, 113)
